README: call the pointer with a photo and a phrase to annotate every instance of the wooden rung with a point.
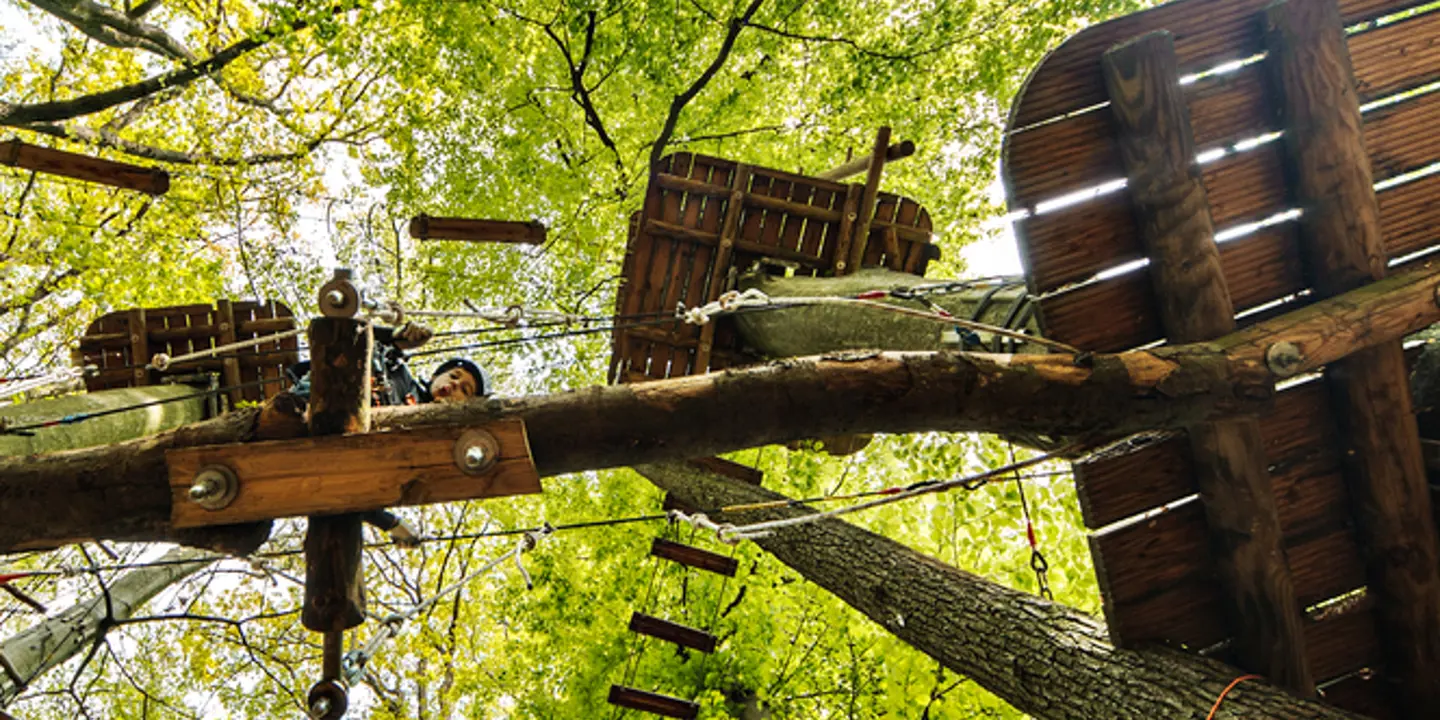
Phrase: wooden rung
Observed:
(652, 702)
(721, 466)
(424, 227)
(17, 153)
(694, 557)
(672, 632)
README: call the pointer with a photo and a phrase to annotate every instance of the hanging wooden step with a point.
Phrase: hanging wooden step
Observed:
(672, 632)
(633, 699)
(694, 557)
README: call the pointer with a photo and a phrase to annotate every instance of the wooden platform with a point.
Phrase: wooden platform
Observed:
(1083, 256)
(121, 354)
(707, 219)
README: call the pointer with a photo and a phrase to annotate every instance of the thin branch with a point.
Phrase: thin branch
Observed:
(579, 93)
(107, 139)
(677, 105)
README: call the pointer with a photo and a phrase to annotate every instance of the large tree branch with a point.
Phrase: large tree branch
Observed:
(58, 110)
(122, 491)
(114, 28)
(1046, 659)
(677, 105)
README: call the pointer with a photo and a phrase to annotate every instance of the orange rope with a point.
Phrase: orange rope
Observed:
(1216, 707)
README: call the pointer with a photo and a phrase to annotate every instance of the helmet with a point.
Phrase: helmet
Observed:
(482, 378)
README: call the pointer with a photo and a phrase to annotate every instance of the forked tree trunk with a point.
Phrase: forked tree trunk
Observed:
(1046, 659)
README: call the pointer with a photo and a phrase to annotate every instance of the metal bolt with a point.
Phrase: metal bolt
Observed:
(214, 487)
(320, 707)
(1284, 358)
(474, 457)
(335, 298)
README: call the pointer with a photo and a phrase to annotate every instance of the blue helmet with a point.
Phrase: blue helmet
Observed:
(482, 378)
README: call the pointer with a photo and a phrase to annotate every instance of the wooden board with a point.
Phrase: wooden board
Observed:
(349, 473)
(17, 153)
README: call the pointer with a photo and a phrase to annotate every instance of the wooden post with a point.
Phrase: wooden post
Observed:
(861, 234)
(1173, 214)
(855, 167)
(1340, 236)
(729, 229)
(229, 364)
(139, 347)
(339, 403)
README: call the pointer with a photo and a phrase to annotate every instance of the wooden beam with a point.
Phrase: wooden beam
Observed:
(16, 153)
(672, 632)
(896, 151)
(340, 350)
(1341, 244)
(861, 235)
(425, 227)
(1173, 214)
(694, 557)
(630, 698)
(730, 469)
(351, 473)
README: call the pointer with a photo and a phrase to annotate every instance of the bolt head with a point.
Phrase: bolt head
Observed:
(335, 298)
(205, 486)
(1284, 359)
(214, 487)
(474, 456)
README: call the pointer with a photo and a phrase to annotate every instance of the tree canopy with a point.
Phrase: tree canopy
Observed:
(303, 133)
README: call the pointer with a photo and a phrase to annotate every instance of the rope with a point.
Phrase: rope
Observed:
(734, 301)
(732, 534)
(1216, 707)
(55, 377)
(354, 661)
(162, 362)
(26, 429)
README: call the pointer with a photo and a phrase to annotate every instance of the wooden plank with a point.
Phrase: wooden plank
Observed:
(632, 699)
(426, 227)
(694, 557)
(152, 181)
(1310, 68)
(896, 151)
(139, 347)
(1404, 136)
(1409, 215)
(844, 236)
(730, 469)
(729, 230)
(1397, 57)
(861, 233)
(672, 632)
(349, 474)
(230, 372)
(1207, 34)
(1345, 642)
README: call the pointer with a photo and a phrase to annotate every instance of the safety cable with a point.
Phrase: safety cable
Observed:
(27, 428)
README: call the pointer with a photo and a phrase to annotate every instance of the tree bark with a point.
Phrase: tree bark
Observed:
(100, 431)
(122, 491)
(54, 641)
(1043, 658)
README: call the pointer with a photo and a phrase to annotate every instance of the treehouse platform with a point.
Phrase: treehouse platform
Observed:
(1197, 167)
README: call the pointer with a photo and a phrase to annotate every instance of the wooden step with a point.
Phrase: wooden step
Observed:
(672, 632)
(652, 702)
(694, 557)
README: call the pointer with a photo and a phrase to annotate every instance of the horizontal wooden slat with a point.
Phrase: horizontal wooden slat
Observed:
(1189, 615)
(633, 699)
(349, 473)
(1409, 216)
(1206, 34)
(17, 153)
(1403, 136)
(694, 557)
(1117, 487)
(1343, 643)
(672, 632)
(425, 227)
(1326, 567)
(1397, 57)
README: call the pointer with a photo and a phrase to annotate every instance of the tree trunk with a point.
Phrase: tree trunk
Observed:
(54, 641)
(1045, 659)
(122, 491)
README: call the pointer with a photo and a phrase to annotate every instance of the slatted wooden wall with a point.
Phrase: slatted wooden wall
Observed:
(121, 354)
(1079, 243)
(685, 244)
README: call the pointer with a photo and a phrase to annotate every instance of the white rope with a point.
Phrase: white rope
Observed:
(162, 362)
(512, 315)
(54, 377)
(355, 660)
(731, 534)
(735, 301)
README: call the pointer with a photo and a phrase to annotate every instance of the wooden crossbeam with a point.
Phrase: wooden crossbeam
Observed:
(17, 153)
(1173, 215)
(350, 473)
(694, 557)
(1341, 244)
(672, 632)
(425, 227)
(630, 698)
(896, 151)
